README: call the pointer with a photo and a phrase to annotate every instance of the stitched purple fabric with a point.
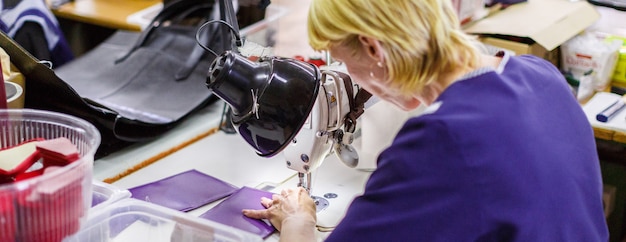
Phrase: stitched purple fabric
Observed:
(185, 191)
(228, 212)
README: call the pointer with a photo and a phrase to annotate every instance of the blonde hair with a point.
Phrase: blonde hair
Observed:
(422, 39)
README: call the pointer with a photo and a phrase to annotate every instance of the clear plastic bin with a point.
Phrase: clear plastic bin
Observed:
(135, 220)
(105, 194)
(53, 205)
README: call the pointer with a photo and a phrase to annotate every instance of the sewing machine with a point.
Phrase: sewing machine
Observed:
(289, 106)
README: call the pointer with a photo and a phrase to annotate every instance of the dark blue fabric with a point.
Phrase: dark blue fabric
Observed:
(14, 16)
(506, 157)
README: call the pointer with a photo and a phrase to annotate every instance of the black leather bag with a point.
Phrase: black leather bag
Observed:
(134, 86)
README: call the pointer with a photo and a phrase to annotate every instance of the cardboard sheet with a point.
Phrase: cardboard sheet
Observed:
(548, 22)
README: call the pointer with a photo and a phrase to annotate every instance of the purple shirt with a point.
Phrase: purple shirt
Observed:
(502, 155)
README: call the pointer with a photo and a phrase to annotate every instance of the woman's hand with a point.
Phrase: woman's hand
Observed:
(292, 212)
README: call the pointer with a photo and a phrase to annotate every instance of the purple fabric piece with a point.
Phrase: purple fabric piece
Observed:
(97, 199)
(185, 191)
(228, 212)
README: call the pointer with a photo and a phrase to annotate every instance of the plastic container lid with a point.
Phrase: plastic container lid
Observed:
(105, 194)
(135, 220)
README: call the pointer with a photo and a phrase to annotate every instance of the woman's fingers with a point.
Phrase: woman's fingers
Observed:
(256, 214)
(266, 202)
(265, 213)
(294, 202)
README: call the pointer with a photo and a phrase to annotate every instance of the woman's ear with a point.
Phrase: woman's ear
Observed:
(372, 48)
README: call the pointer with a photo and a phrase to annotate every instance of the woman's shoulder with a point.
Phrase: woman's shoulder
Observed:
(431, 126)
(533, 61)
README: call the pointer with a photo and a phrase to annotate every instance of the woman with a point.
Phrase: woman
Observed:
(502, 153)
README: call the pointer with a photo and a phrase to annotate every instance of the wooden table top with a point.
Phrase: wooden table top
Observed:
(106, 13)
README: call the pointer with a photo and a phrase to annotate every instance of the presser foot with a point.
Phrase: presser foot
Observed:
(304, 180)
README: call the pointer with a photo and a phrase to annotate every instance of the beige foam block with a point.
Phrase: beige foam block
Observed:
(17, 157)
